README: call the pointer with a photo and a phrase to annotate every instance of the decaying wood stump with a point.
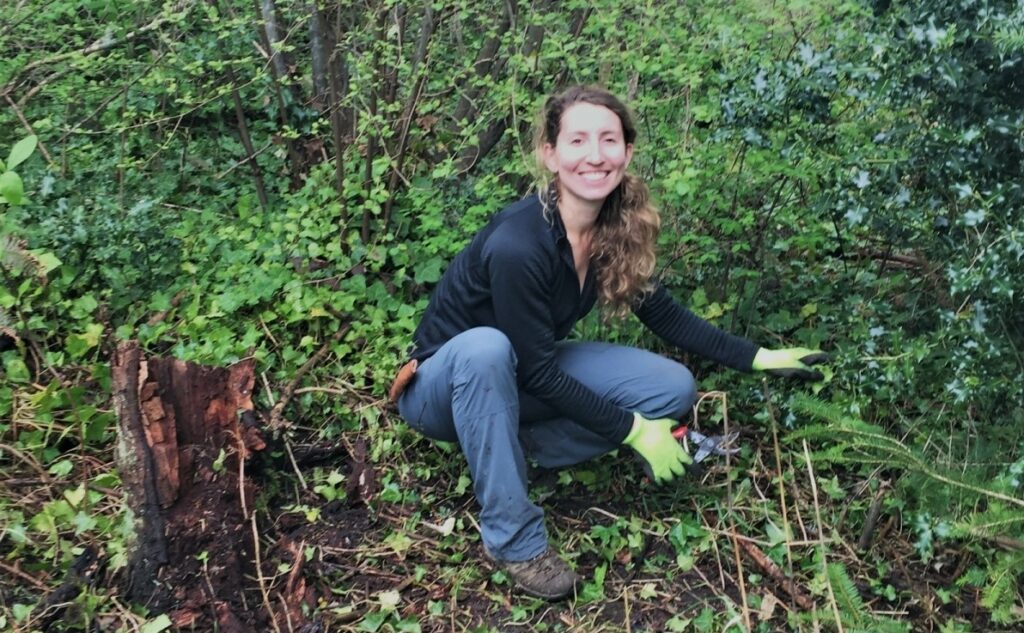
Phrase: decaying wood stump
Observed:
(184, 432)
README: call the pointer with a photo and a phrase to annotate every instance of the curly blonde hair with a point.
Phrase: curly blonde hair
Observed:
(623, 244)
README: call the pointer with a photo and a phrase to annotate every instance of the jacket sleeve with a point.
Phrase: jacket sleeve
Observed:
(687, 331)
(521, 276)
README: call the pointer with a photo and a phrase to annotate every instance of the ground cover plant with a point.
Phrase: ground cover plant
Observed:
(281, 184)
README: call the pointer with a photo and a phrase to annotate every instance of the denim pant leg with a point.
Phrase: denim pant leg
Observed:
(634, 379)
(467, 392)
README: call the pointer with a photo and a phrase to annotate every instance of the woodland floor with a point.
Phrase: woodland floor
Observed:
(399, 551)
(360, 551)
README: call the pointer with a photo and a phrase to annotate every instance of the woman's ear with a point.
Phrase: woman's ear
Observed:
(629, 153)
(547, 155)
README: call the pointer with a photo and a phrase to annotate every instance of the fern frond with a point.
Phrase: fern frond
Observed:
(1000, 595)
(880, 625)
(993, 522)
(871, 440)
(14, 255)
(7, 324)
(847, 597)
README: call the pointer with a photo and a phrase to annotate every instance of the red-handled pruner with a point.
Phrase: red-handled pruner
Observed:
(706, 445)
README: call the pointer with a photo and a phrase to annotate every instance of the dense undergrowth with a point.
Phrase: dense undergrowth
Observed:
(839, 175)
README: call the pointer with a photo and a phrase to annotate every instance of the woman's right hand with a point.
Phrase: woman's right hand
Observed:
(663, 455)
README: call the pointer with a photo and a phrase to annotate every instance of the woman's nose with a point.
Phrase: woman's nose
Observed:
(594, 153)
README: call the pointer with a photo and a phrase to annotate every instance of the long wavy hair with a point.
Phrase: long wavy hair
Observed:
(622, 248)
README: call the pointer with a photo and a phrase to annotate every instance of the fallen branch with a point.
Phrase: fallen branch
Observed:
(769, 567)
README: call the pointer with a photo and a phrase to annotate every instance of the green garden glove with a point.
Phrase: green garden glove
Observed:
(791, 362)
(663, 455)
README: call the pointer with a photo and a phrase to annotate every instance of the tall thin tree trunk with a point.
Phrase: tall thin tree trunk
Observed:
(318, 55)
(340, 115)
(243, 133)
(419, 72)
(278, 73)
(481, 67)
(390, 73)
(487, 139)
(273, 31)
(372, 144)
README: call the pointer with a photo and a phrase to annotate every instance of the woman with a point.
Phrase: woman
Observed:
(493, 372)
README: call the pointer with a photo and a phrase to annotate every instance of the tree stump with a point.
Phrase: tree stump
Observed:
(184, 433)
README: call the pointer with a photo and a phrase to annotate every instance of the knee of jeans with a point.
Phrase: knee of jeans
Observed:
(486, 347)
(681, 390)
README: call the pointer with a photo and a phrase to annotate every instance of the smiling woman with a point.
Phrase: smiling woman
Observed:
(490, 368)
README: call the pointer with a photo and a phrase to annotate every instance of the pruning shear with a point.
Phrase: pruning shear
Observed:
(706, 444)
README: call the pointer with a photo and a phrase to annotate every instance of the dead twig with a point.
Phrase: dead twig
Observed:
(276, 419)
(820, 526)
(864, 542)
(28, 127)
(35, 582)
(260, 579)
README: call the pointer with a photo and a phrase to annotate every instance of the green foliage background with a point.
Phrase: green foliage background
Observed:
(843, 175)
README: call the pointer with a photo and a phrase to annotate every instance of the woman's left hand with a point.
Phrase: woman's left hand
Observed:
(791, 362)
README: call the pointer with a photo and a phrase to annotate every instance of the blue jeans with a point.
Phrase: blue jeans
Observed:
(466, 392)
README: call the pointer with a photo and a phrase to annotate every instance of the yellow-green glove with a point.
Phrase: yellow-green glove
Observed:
(663, 455)
(791, 362)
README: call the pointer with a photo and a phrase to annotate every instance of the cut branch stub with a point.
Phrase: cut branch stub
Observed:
(182, 429)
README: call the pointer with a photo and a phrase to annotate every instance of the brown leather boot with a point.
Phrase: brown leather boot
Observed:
(545, 576)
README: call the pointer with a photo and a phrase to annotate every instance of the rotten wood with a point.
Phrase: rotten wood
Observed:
(184, 433)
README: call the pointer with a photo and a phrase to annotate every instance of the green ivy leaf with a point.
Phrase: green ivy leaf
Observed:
(11, 187)
(21, 611)
(48, 261)
(79, 344)
(76, 496)
(21, 150)
(160, 623)
(372, 621)
(429, 272)
(15, 368)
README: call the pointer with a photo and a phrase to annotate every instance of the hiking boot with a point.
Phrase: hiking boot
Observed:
(545, 576)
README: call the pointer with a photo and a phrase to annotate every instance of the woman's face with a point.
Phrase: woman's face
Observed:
(590, 155)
